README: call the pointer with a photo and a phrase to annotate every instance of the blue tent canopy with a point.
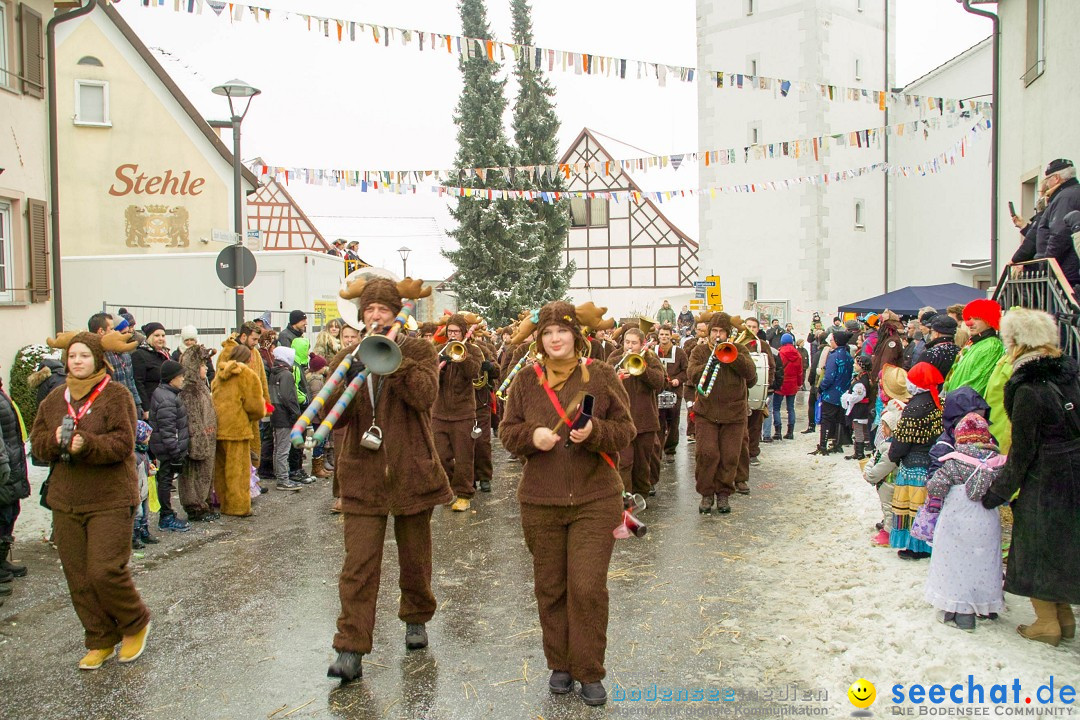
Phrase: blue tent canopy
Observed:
(909, 300)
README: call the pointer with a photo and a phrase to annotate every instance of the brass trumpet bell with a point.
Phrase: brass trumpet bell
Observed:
(379, 354)
(455, 351)
(634, 364)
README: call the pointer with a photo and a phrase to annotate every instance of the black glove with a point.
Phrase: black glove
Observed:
(991, 501)
(490, 368)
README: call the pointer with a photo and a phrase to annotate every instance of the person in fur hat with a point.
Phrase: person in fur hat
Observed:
(454, 414)
(636, 459)
(93, 489)
(720, 414)
(700, 335)
(570, 492)
(250, 336)
(977, 360)
(1042, 399)
(402, 478)
(239, 404)
(198, 478)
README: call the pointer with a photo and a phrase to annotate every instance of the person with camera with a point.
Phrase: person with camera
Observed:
(570, 491)
(86, 432)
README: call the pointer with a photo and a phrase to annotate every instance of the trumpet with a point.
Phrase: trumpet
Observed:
(454, 351)
(725, 353)
(633, 363)
(530, 355)
(378, 354)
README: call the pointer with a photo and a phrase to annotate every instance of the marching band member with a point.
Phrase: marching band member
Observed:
(721, 414)
(755, 421)
(482, 463)
(400, 476)
(701, 335)
(454, 414)
(674, 361)
(642, 382)
(570, 493)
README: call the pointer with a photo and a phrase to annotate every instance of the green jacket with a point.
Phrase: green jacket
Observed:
(666, 316)
(1000, 426)
(975, 364)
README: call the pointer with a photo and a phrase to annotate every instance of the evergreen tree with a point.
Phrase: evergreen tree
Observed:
(499, 241)
(536, 130)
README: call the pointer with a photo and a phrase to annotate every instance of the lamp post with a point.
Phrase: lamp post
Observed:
(404, 253)
(240, 90)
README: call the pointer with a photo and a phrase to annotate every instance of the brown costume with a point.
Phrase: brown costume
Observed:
(570, 503)
(454, 415)
(93, 499)
(755, 421)
(636, 460)
(483, 468)
(239, 404)
(256, 364)
(689, 392)
(198, 477)
(721, 416)
(675, 362)
(402, 478)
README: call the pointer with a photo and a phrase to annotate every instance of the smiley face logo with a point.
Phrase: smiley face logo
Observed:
(862, 693)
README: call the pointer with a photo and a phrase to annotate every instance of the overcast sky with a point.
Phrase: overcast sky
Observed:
(326, 104)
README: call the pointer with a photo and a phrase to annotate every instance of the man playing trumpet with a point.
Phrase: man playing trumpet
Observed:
(642, 376)
(722, 372)
(454, 414)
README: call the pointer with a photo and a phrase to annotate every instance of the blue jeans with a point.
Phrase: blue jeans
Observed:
(777, 400)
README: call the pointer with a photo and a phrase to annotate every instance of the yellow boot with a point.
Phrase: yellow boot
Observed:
(132, 646)
(96, 658)
(460, 505)
(1045, 629)
(1066, 621)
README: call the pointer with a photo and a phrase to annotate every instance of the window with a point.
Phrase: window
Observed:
(753, 135)
(588, 213)
(90, 60)
(858, 69)
(753, 67)
(92, 103)
(859, 5)
(750, 6)
(7, 237)
(1036, 36)
(751, 292)
(860, 215)
(6, 80)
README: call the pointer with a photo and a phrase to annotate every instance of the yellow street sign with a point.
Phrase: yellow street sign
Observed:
(713, 297)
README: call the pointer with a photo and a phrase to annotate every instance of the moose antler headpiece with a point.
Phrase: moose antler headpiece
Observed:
(366, 289)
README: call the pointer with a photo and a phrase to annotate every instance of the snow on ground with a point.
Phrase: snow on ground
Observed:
(841, 609)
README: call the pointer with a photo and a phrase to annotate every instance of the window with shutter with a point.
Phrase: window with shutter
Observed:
(33, 66)
(37, 213)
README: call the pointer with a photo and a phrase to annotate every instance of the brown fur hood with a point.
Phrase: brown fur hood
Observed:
(228, 369)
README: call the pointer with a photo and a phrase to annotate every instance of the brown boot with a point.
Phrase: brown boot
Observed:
(1066, 621)
(318, 468)
(1045, 629)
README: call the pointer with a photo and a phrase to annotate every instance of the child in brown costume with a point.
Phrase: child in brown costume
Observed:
(720, 416)
(454, 414)
(198, 477)
(402, 477)
(570, 496)
(93, 490)
(239, 404)
(636, 459)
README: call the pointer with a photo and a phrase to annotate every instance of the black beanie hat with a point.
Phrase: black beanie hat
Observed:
(296, 316)
(842, 337)
(169, 370)
(151, 327)
(927, 317)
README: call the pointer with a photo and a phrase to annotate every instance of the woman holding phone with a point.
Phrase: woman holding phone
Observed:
(570, 494)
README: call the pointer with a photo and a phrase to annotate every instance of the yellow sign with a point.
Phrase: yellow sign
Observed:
(327, 309)
(712, 293)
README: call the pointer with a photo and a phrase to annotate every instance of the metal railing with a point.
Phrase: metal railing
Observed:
(1040, 285)
(213, 324)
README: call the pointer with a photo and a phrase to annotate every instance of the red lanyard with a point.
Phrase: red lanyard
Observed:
(90, 401)
(558, 406)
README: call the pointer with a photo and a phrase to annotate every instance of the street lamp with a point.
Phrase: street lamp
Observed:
(404, 253)
(237, 89)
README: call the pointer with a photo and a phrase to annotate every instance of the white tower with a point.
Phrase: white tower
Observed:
(813, 246)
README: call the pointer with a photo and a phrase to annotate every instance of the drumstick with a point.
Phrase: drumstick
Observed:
(574, 405)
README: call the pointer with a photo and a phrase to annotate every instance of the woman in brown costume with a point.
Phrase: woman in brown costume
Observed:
(239, 403)
(570, 494)
(85, 430)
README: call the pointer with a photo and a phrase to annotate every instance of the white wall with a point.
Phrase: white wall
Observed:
(796, 244)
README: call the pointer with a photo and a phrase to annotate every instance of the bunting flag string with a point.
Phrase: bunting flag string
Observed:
(868, 138)
(353, 179)
(567, 61)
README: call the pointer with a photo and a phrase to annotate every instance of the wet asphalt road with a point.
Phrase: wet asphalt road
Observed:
(244, 612)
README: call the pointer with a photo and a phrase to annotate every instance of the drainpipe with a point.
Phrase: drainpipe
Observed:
(54, 161)
(888, 88)
(995, 133)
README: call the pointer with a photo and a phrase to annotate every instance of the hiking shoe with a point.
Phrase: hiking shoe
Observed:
(137, 543)
(560, 682)
(706, 505)
(289, 485)
(415, 636)
(723, 507)
(485, 486)
(132, 646)
(767, 439)
(173, 524)
(755, 462)
(593, 693)
(776, 434)
(144, 534)
(304, 479)
(348, 667)
(742, 488)
(96, 658)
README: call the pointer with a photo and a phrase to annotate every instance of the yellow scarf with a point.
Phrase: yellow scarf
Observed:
(81, 388)
(559, 371)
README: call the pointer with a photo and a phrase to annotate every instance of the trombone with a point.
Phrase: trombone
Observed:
(633, 363)
(454, 351)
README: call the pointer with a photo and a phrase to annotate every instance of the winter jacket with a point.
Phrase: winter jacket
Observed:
(404, 476)
(255, 363)
(169, 418)
(575, 475)
(958, 403)
(792, 364)
(976, 470)
(287, 335)
(15, 486)
(641, 391)
(665, 316)
(1054, 238)
(837, 376)
(941, 353)
(238, 400)
(1000, 427)
(283, 396)
(123, 373)
(1044, 466)
(805, 357)
(49, 375)
(856, 401)
(147, 362)
(1027, 248)
(102, 476)
(202, 418)
(976, 362)
(728, 401)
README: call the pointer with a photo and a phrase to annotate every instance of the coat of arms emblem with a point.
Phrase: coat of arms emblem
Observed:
(149, 225)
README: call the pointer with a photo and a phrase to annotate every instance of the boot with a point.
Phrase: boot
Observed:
(1066, 621)
(705, 507)
(348, 667)
(5, 564)
(723, 507)
(857, 454)
(415, 636)
(790, 434)
(5, 587)
(6, 576)
(593, 694)
(318, 468)
(560, 682)
(776, 433)
(809, 430)
(1046, 628)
